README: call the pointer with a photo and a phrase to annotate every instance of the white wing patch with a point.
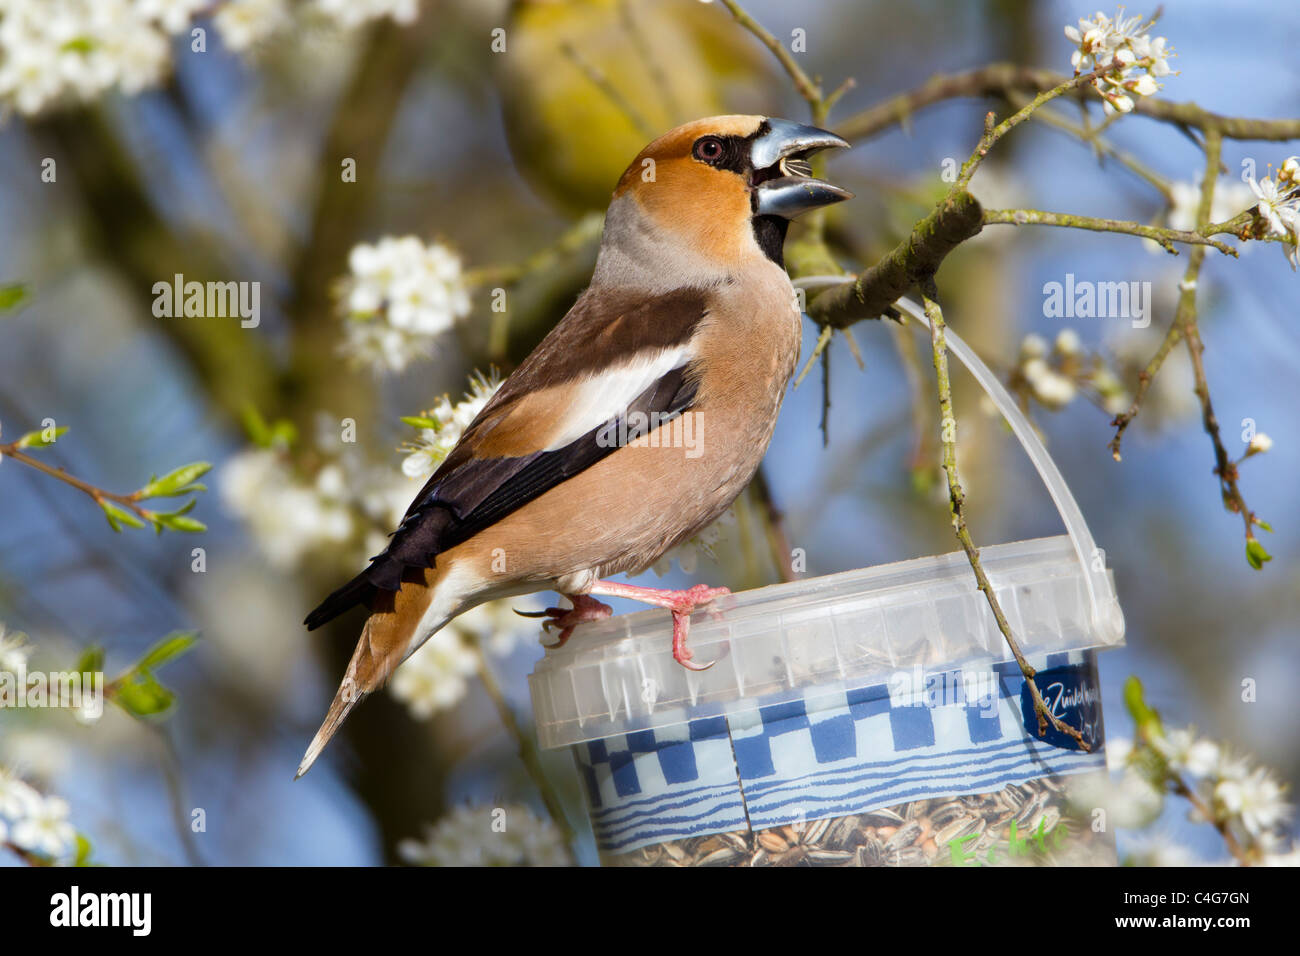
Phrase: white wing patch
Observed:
(606, 395)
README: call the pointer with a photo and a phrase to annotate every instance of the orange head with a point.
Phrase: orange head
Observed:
(718, 191)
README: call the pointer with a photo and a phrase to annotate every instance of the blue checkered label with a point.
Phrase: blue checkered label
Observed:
(831, 753)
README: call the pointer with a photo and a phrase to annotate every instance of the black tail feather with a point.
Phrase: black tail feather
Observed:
(357, 591)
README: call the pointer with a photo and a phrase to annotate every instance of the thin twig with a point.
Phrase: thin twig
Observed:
(528, 752)
(1146, 377)
(823, 340)
(808, 89)
(778, 542)
(1165, 237)
(99, 495)
(956, 502)
(1091, 136)
(1224, 467)
(993, 133)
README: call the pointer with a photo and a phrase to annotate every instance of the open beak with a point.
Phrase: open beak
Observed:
(783, 179)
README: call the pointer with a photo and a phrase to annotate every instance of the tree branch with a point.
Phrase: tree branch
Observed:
(954, 220)
(1166, 237)
(1004, 79)
(956, 502)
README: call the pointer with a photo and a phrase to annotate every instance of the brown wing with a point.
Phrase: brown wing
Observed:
(516, 448)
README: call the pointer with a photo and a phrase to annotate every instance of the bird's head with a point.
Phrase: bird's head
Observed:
(723, 188)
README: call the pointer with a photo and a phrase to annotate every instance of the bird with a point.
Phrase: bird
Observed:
(633, 424)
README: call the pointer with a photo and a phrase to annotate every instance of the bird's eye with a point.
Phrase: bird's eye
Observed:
(709, 149)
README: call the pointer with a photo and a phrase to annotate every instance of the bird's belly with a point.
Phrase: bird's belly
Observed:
(624, 512)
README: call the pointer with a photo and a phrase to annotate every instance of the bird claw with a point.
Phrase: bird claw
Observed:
(565, 619)
(691, 599)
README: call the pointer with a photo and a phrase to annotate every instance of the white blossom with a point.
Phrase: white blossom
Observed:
(1184, 751)
(488, 836)
(495, 625)
(18, 799)
(1129, 797)
(399, 297)
(1050, 387)
(1231, 196)
(14, 650)
(243, 24)
(1288, 857)
(434, 441)
(56, 53)
(1118, 751)
(174, 16)
(1033, 346)
(350, 14)
(45, 828)
(1114, 397)
(434, 677)
(1279, 206)
(1158, 849)
(1125, 43)
(1068, 343)
(1256, 799)
(1259, 444)
(287, 516)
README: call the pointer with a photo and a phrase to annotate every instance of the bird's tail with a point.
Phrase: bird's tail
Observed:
(396, 626)
(367, 671)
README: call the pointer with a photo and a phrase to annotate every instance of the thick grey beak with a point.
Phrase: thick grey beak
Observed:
(782, 179)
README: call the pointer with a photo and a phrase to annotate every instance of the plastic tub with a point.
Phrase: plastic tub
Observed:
(872, 717)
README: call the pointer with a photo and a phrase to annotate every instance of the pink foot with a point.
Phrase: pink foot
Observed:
(565, 619)
(681, 603)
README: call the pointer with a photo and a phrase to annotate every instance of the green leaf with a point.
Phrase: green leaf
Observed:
(12, 295)
(37, 438)
(177, 482)
(83, 852)
(170, 647)
(138, 691)
(422, 421)
(91, 660)
(1144, 716)
(1255, 554)
(141, 695)
(1265, 525)
(178, 522)
(282, 432)
(119, 516)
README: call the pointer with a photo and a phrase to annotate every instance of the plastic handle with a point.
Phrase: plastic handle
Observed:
(1107, 618)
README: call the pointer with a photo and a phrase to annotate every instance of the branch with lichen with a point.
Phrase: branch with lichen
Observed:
(1165, 237)
(957, 506)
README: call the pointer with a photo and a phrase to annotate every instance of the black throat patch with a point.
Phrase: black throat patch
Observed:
(769, 233)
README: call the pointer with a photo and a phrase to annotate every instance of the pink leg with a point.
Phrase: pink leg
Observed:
(681, 603)
(564, 619)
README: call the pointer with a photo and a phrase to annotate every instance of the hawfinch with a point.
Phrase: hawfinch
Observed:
(633, 425)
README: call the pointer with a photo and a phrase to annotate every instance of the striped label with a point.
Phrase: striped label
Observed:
(832, 753)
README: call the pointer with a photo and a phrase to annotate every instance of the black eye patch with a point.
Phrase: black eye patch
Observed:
(723, 152)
